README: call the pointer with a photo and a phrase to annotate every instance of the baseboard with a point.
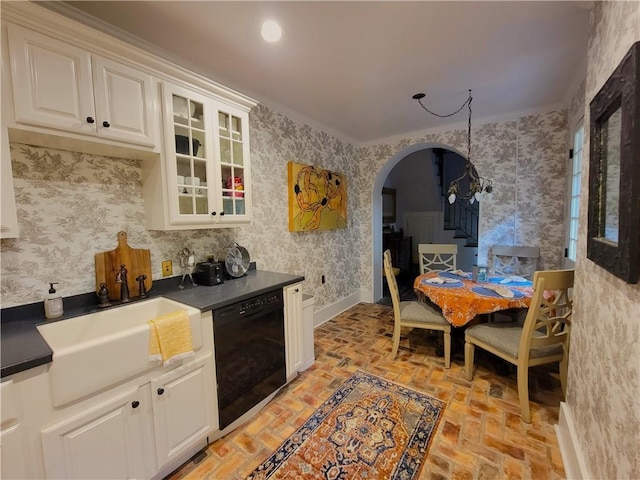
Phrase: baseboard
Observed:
(575, 466)
(307, 364)
(328, 312)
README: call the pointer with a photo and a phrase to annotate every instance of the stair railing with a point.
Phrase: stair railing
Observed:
(464, 218)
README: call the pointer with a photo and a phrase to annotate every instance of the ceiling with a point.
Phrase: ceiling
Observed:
(354, 66)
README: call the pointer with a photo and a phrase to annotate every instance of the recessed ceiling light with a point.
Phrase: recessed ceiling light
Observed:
(271, 31)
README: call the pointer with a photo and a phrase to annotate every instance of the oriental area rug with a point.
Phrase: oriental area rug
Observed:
(370, 428)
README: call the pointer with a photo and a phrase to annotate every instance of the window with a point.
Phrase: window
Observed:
(574, 206)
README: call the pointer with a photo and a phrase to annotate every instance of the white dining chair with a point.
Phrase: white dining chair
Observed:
(514, 260)
(542, 339)
(437, 257)
(414, 314)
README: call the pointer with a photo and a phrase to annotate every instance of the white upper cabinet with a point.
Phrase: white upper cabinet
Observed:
(60, 86)
(73, 87)
(204, 181)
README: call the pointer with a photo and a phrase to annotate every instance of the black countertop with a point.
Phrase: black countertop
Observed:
(22, 346)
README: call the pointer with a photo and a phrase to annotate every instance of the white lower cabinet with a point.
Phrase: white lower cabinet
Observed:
(137, 433)
(293, 316)
(107, 441)
(12, 436)
(13, 461)
(183, 408)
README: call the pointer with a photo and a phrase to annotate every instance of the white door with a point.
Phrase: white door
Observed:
(125, 102)
(108, 441)
(420, 226)
(184, 407)
(293, 318)
(52, 83)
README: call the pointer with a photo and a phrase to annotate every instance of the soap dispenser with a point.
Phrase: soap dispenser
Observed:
(53, 303)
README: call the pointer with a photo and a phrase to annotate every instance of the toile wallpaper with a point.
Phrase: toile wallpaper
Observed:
(525, 159)
(71, 205)
(603, 393)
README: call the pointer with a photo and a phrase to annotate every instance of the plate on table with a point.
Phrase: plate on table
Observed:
(454, 276)
(487, 292)
(456, 284)
(509, 281)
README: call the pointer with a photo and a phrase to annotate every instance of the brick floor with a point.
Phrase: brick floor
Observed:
(480, 435)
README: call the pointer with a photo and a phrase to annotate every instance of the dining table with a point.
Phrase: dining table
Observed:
(462, 299)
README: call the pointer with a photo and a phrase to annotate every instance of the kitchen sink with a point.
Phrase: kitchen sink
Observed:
(97, 350)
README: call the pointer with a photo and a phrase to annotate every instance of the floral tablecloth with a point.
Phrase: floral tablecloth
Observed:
(460, 304)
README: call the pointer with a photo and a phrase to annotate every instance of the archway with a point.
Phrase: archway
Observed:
(376, 202)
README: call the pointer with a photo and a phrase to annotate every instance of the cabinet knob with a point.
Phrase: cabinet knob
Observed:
(106, 124)
(213, 213)
(135, 404)
(90, 120)
(160, 391)
(296, 290)
(221, 213)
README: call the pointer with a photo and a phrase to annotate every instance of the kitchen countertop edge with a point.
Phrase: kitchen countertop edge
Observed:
(24, 348)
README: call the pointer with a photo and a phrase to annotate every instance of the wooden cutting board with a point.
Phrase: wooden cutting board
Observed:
(137, 261)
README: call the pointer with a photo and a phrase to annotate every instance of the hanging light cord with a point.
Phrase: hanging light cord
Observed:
(477, 182)
(420, 96)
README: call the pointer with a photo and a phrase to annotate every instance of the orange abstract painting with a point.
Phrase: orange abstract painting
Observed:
(317, 198)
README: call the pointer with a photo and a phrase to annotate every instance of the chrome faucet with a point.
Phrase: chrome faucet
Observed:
(121, 278)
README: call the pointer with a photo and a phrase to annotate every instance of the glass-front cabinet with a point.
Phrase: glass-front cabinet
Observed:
(232, 148)
(207, 160)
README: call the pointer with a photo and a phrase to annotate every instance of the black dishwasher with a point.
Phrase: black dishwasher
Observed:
(250, 353)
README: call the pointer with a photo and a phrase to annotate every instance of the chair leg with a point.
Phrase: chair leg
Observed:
(564, 367)
(523, 391)
(447, 349)
(468, 360)
(396, 340)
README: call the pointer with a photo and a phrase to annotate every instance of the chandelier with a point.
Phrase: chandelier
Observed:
(476, 183)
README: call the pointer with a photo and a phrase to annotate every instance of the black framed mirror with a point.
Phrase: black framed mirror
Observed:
(613, 232)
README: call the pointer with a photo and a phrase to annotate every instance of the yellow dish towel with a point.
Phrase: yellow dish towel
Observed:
(170, 338)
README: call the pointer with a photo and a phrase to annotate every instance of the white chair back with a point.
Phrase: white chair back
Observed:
(510, 260)
(435, 257)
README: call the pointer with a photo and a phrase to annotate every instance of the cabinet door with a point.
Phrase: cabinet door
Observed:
(293, 328)
(12, 452)
(184, 407)
(12, 440)
(125, 102)
(233, 166)
(189, 156)
(8, 214)
(52, 83)
(108, 441)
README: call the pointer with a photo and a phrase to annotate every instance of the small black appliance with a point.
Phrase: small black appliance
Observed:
(208, 273)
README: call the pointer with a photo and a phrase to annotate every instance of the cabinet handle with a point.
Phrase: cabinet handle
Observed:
(106, 124)
(135, 404)
(160, 391)
(90, 120)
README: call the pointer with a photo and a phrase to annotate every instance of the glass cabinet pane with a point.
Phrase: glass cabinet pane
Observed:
(192, 182)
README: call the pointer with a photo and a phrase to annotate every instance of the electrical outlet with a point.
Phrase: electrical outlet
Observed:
(322, 280)
(167, 268)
